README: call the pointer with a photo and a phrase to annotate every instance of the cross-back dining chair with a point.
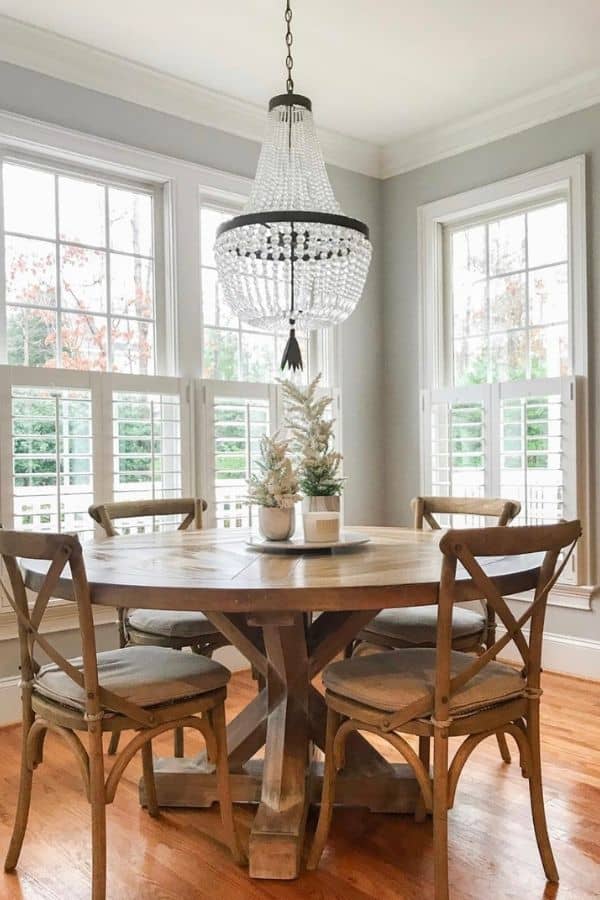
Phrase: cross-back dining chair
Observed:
(472, 630)
(160, 627)
(146, 690)
(441, 693)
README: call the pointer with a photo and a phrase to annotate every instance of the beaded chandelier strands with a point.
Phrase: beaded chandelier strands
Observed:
(292, 258)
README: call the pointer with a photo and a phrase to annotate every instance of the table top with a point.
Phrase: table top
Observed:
(215, 570)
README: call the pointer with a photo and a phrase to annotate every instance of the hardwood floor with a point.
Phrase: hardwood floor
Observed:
(181, 856)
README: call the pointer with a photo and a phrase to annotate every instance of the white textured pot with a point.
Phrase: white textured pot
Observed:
(321, 519)
(276, 524)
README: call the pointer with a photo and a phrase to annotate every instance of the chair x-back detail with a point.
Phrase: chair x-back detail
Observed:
(441, 693)
(472, 630)
(163, 627)
(147, 690)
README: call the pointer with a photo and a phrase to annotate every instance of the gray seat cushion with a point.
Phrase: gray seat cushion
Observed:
(417, 625)
(171, 623)
(395, 679)
(146, 676)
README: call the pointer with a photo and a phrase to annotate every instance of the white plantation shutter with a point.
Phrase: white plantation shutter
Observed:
(516, 440)
(76, 438)
(52, 466)
(456, 429)
(234, 417)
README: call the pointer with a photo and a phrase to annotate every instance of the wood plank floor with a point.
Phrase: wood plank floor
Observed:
(179, 856)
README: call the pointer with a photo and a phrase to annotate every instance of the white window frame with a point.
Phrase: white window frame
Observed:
(59, 166)
(565, 179)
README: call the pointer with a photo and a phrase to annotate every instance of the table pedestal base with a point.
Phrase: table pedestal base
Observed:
(188, 783)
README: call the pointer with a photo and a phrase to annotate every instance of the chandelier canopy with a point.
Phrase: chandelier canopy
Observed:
(292, 258)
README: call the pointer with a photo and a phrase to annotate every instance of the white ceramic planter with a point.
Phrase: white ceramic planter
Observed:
(276, 524)
(321, 519)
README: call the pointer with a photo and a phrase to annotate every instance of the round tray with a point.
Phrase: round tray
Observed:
(297, 544)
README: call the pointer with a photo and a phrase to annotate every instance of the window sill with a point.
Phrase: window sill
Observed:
(569, 596)
(59, 617)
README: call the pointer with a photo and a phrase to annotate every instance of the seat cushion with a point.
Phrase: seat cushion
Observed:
(392, 680)
(171, 623)
(147, 676)
(418, 624)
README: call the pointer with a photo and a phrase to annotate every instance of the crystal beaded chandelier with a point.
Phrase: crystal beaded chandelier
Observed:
(292, 258)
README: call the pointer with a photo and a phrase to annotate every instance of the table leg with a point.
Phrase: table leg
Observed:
(277, 834)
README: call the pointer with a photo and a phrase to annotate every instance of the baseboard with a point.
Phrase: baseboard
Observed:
(565, 655)
(10, 701)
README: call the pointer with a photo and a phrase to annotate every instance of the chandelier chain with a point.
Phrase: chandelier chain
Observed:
(289, 40)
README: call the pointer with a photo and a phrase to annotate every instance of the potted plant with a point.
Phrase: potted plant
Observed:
(274, 489)
(318, 463)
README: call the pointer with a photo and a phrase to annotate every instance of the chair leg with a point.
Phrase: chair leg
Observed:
(23, 805)
(440, 815)
(536, 794)
(328, 793)
(149, 783)
(98, 808)
(217, 719)
(178, 748)
(114, 743)
(424, 754)
(503, 747)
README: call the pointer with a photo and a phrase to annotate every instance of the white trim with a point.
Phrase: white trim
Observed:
(59, 57)
(569, 596)
(78, 63)
(60, 616)
(527, 111)
(563, 654)
(80, 148)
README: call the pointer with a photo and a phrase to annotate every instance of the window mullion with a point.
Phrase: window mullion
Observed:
(57, 257)
(107, 267)
(3, 316)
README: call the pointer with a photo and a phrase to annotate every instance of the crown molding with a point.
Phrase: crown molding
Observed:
(69, 60)
(525, 112)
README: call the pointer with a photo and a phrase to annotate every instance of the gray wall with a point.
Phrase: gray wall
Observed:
(402, 195)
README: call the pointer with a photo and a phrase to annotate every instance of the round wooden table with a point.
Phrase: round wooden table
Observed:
(262, 604)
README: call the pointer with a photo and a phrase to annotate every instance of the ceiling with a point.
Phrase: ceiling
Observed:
(377, 70)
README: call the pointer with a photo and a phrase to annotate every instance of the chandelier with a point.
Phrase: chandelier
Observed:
(292, 258)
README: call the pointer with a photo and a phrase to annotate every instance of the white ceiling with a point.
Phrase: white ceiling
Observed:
(378, 70)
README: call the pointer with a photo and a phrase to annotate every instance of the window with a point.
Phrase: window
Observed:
(508, 290)
(232, 350)
(503, 319)
(52, 480)
(238, 425)
(78, 256)
(147, 446)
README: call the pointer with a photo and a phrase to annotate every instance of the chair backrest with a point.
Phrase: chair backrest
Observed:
(60, 550)
(191, 508)
(504, 511)
(464, 546)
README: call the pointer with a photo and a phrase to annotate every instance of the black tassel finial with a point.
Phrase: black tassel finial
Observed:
(292, 356)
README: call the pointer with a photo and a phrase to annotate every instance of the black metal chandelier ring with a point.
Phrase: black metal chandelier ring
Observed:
(294, 217)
